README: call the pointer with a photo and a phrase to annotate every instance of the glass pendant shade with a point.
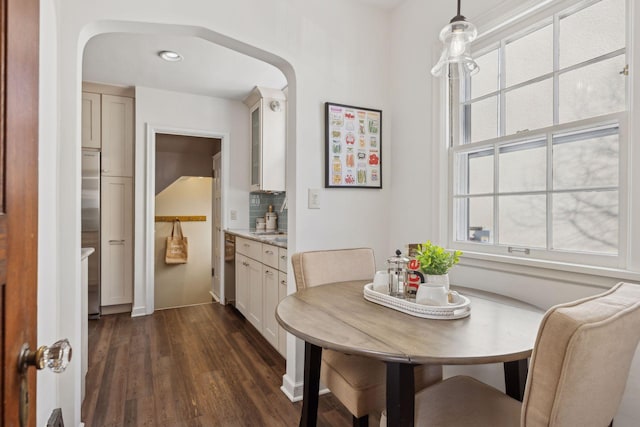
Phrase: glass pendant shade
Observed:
(456, 37)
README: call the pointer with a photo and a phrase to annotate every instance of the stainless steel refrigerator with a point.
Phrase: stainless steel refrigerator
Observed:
(91, 224)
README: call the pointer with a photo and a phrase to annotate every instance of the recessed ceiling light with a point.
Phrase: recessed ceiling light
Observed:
(171, 56)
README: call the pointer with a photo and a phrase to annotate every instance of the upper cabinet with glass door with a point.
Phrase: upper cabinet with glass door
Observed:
(267, 110)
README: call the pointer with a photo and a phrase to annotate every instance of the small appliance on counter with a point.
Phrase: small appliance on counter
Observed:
(271, 219)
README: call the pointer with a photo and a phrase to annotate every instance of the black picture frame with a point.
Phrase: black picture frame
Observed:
(353, 146)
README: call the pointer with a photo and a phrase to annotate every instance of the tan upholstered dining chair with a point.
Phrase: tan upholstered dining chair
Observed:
(356, 381)
(578, 373)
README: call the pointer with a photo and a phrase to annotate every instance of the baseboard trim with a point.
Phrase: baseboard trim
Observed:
(214, 297)
(294, 390)
(290, 389)
(139, 311)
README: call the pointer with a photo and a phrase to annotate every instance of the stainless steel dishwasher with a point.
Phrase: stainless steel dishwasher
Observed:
(230, 268)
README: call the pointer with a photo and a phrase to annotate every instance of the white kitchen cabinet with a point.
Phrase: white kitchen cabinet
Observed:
(260, 286)
(249, 280)
(282, 260)
(256, 293)
(270, 301)
(116, 241)
(267, 114)
(282, 334)
(250, 248)
(242, 284)
(270, 255)
(117, 135)
(91, 120)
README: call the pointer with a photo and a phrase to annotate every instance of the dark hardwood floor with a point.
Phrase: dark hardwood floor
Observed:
(195, 366)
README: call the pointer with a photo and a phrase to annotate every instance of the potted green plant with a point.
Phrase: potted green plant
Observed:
(435, 262)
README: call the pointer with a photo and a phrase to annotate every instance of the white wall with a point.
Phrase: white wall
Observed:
(48, 290)
(418, 165)
(330, 50)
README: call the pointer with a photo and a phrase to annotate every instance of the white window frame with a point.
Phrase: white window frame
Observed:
(526, 16)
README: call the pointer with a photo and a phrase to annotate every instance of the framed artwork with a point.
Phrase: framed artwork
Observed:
(353, 141)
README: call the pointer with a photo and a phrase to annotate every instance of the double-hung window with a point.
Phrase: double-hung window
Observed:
(539, 137)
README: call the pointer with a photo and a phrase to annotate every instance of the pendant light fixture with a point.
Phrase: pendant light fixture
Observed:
(457, 36)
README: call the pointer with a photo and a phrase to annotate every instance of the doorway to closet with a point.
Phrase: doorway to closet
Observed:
(184, 185)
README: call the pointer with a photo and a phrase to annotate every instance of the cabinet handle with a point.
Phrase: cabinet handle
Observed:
(246, 245)
(269, 272)
(283, 257)
(116, 242)
(283, 282)
(245, 264)
(105, 170)
(268, 252)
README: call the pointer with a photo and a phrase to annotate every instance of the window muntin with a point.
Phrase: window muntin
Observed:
(567, 117)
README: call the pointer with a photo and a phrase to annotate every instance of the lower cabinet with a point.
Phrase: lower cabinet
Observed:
(242, 284)
(260, 286)
(270, 301)
(255, 293)
(282, 292)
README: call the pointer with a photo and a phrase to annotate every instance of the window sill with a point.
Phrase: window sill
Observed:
(547, 269)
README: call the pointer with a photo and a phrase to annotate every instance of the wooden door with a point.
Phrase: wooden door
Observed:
(19, 20)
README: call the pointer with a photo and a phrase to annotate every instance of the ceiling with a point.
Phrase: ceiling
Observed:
(209, 69)
(127, 59)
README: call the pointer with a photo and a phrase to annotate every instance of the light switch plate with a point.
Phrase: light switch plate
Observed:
(314, 198)
(233, 214)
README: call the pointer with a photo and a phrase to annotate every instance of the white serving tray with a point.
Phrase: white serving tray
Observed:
(456, 310)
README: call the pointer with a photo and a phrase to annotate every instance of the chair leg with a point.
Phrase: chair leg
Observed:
(363, 421)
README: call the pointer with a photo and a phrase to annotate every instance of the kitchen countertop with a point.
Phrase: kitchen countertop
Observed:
(279, 239)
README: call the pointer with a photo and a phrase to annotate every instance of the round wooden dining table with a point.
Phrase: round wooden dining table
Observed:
(336, 316)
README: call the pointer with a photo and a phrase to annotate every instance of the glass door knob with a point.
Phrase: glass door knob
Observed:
(55, 357)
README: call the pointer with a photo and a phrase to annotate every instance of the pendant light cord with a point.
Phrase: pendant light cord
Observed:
(458, 17)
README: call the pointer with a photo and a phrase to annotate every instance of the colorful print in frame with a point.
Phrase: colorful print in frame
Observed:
(353, 147)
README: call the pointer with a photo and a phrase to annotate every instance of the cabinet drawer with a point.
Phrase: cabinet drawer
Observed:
(250, 248)
(282, 260)
(270, 255)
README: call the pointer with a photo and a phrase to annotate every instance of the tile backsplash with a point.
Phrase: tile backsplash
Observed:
(259, 205)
